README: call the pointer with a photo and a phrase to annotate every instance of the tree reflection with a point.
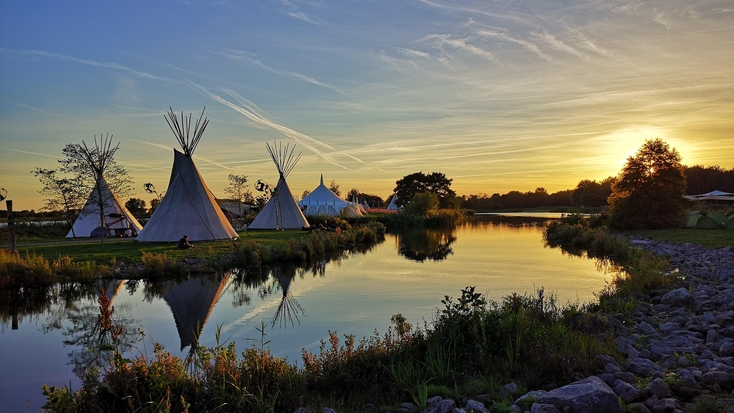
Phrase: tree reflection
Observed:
(427, 244)
(85, 331)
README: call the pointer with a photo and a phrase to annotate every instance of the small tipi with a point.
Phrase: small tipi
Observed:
(323, 201)
(281, 211)
(117, 219)
(188, 208)
(393, 203)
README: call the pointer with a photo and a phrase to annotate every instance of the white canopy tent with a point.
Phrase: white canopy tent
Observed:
(322, 201)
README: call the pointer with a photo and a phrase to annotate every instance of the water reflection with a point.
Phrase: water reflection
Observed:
(191, 301)
(426, 244)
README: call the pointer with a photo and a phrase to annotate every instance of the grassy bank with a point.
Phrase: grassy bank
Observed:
(712, 238)
(46, 264)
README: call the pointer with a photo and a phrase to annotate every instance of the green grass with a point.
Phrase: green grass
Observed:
(712, 238)
(129, 251)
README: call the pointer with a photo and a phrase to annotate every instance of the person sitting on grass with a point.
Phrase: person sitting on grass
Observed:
(184, 243)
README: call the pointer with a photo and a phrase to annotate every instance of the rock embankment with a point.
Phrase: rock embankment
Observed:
(678, 345)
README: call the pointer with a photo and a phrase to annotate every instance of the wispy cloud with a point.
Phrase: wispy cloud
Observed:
(45, 112)
(108, 65)
(244, 56)
(30, 153)
(558, 44)
(532, 47)
(462, 44)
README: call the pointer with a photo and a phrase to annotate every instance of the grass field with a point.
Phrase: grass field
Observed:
(712, 238)
(130, 251)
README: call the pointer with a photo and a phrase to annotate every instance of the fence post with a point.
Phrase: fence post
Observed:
(11, 225)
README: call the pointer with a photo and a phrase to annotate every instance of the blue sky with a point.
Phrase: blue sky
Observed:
(496, 95)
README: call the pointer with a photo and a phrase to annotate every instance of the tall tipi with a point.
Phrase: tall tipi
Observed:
(281, 211)
(117, 219)
(188, 208)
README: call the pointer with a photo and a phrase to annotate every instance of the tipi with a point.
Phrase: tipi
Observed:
(393, 203)
(117, 219)
(103, 213)
(323, 201)
(281, 211)
(188, 208)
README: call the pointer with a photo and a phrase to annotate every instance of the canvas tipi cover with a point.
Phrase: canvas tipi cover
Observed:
(291, 215)
(322, 201)
(187, 209)
(281, 211)
(393, 206)
(117, 218)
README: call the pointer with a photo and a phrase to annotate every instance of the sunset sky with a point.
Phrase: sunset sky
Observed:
(498, 95)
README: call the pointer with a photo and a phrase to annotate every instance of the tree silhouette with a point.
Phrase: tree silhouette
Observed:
(650, 188)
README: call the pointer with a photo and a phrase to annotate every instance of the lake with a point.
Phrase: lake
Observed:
(354, 293)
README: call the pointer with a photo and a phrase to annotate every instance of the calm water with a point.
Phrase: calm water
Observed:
(353, 294)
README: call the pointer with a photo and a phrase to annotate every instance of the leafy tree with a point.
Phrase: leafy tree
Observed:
(334, 187)
(435, 182)
(650, 188)
(154, 204)
(305, 193)
(62, 193)
(423, 204)
(136, 206)
(591, 193)
(237, 190)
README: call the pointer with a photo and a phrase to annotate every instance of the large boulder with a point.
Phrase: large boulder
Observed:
(678, 298)
(590, 395)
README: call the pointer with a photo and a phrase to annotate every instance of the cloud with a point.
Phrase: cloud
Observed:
(244, 56)
(31, 153)
(45, 112)
(557, 44)
(461, 44)
(110, 65)
(532, 47)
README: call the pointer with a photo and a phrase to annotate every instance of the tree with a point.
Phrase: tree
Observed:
(154, 204)
(89, 165)
(353, 194)
(334, 187)
(63, 193)
(238, 191)
(305, 193)
(590, 193)
(136, 206)
(413, 184)
(423, 204)
(650, 188)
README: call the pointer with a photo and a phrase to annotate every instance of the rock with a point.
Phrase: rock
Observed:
(475, 406)
(587, 395)
(666, 405)
(445, 406)
(637, 408)
(658, 388)
(646, 328)
(433, 401)
(626, 391)
(727, 348)
(642, 367)
(407, 407)
(508, 389)
(544, 408)
(678, 298)
(327, 410)
(301, 410)
(486, 399)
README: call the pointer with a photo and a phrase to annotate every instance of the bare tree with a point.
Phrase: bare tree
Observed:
(94, 167)
(62, 193)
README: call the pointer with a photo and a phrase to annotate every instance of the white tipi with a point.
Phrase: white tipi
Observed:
(393, 203)
(323, 201)
(281, 211)
(117, 219)
(188, 208)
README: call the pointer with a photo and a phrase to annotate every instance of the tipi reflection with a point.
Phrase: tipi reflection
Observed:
(288, 308)
(191, 302)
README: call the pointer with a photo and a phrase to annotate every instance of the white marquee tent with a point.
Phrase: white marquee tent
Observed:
(322, 201)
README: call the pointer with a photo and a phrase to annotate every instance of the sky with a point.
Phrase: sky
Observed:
(498, 95)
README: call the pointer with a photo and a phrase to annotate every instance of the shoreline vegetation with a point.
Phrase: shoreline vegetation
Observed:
(470, 348)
